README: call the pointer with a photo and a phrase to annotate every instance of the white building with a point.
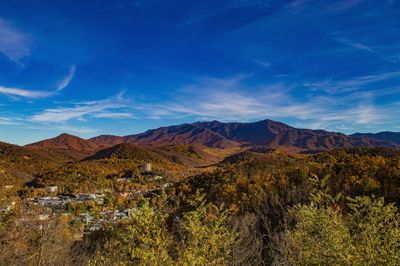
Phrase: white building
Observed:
(147, 167)
(52, 189)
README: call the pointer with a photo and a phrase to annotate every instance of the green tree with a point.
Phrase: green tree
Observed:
(145, 241)
(320, 237)
(207, 240)
(364, 232)
(375, 230)
(201, 237)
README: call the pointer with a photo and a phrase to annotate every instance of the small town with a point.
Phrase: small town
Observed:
(60, 203)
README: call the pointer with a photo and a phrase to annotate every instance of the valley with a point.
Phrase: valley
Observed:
(93, 189)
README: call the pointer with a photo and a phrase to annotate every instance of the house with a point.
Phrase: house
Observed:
(84, 197)
(167, 185)
(156, 177)
(124, 180)
(124, 194)
(54, 202)
(52, 189)
(43, 217)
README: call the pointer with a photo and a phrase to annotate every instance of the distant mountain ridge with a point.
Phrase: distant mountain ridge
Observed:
(216, 134)
(266, 133)
(385, 136)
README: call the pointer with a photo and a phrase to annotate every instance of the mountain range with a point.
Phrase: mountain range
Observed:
(215, 134)
(384, 136)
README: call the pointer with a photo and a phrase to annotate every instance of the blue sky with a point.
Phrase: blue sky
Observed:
(124, 66)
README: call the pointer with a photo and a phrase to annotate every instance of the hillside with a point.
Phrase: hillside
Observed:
(183, 134)
(104, 141)
(185, 155)
(23, 163)
(102, 169)
(66, 142)
(193, 155)
(128, 151)
(66, 147)
(247, 155)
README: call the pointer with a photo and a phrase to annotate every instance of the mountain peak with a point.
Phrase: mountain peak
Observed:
(66, 135)
(67, 142)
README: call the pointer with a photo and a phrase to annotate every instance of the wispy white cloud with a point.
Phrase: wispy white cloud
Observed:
(232, 99)
(65, 81)
(24, 93)
(108, 108)
(113, 115)
(7, 121)
(14, 44)
(355, 44)
(349, 85)
(19, 92)
(57, 127)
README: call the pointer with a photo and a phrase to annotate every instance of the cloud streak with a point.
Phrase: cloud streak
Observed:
(350, 85)
(229, 99)
(232, 99)
(108, 108)
(24, 93)
(65, 81)
(7, 121)
(14, 44)
(33, 94)
(356, 45)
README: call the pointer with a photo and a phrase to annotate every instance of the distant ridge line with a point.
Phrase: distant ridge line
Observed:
(215, 134)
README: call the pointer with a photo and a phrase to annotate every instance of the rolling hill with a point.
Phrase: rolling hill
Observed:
(66, 142)
(20, 162)
(66, 147)
(128, 151)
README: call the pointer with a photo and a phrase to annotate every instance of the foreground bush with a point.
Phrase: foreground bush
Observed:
(366, 232)
(201, 237)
